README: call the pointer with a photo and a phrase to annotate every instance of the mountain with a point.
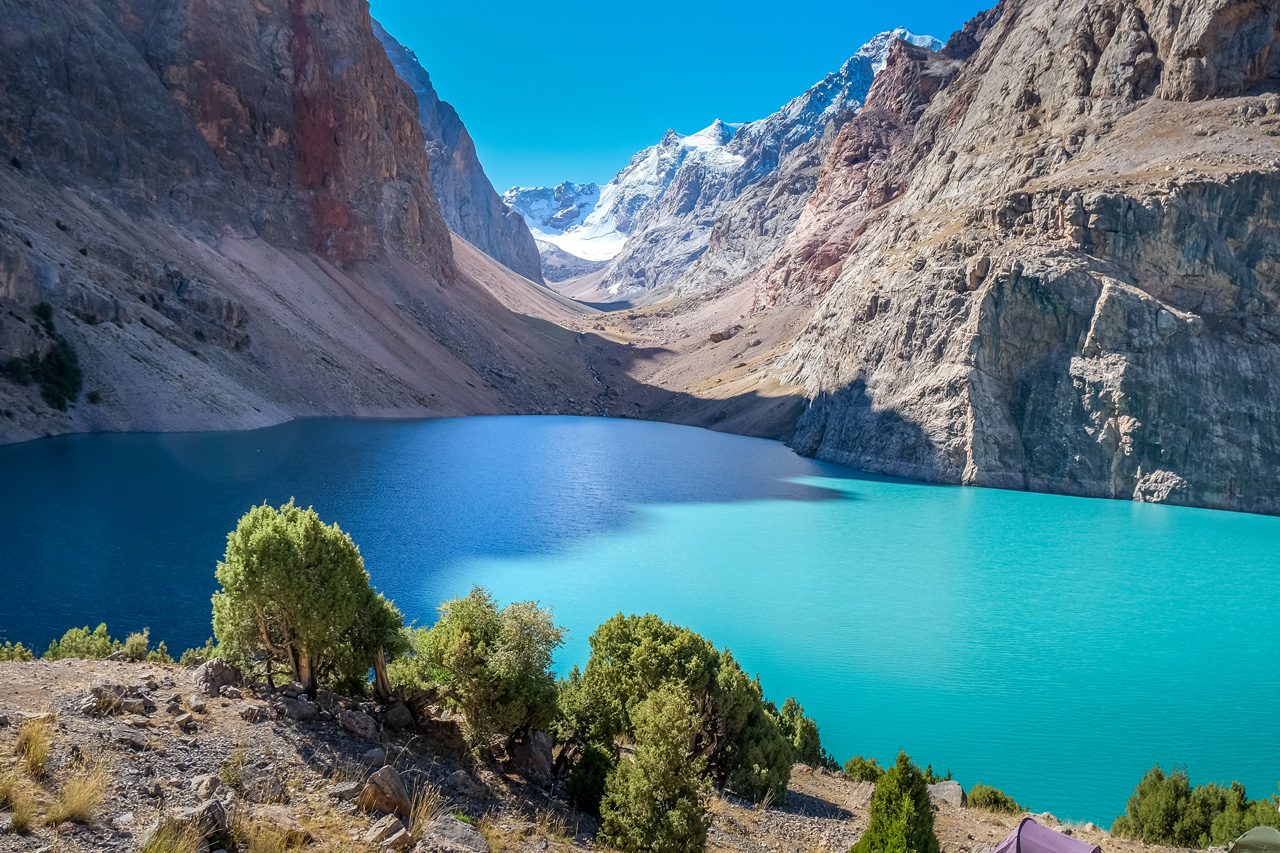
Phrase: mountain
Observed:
(655, 218)
(218, 215)
(1042, 259)
(467, 200)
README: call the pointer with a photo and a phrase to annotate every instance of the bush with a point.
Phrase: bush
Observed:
(195, 657)
(14, 651)
(901, 814)
(33, 746)
(740, 736)
(657, 801)
(83, 643)
(993, 800)
(585, 787)
(802, 733)
(136, 645)
(80, 798)
(1164, 809)
(295, 594)
(862, 770)
(493, 666)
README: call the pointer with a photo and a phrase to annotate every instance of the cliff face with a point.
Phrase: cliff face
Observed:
(1054, 270)
(227, 207)
(467, 200)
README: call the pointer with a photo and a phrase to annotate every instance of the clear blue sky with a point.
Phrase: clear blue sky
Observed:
(569, 90)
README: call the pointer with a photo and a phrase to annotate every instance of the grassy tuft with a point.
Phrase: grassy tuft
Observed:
(33, 746)
(429, 803)
(22, 807)
(173, 837)
(80, 798)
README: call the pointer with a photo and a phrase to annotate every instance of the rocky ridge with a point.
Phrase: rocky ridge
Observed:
(467, 200)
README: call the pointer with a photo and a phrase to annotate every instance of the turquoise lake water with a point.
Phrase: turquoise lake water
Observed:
(1054, 647)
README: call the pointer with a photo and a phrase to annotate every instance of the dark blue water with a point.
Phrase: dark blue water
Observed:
(1055, 647)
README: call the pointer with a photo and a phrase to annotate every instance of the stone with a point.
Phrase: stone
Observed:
(251, 713)
(346, 790)
(531, 758)
(447, 834)
(298, 709)
(358, 723)
(197, 704)
(376, 756)
(293, 689)
(133, 705)
(231, 692)
(399, 840)
(132, 740)
(184, 721)
(211, 676)
(385, 792)
(117, 657)
(949, 792)
(205, 786)
(461, 782)
(279, 818)
(382, 829)
(398, 717)
(137, 721)
(262, 785)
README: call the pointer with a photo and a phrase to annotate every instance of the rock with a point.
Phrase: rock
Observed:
(116, 657)
(385, 792)
(197, 704)
(173, 709)
(800, 768)
(252, 713)
(346, 790)
(137, 721)
(205, 786)
(376, 756)
(399, 840)
(447, 834)
(398, 717)
(327, 701)
(184, 721)
(262, 785)
(461, 782)
(717, 337)
(950, 793)
(279, 819)
(358, 723)
(206, 819)
(133, 705)
(293, 689)
(298, 709)
(230, 692)
(1090, 827)
(976, 271)
(132, 740)
(210, 677)
(382, 829)
(531, 758)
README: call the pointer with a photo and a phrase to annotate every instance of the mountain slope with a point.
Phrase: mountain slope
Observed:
(1057, 275)
(227, 209)
(467, 200)
(682, 199)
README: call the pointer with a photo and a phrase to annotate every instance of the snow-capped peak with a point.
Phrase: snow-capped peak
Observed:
(877, 50)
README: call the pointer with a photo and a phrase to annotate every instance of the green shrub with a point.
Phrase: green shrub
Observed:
(492, 666)
(585, 786)
(993, 800)
(136, 645)
(802, 733)
(195, 657)
(657, 801)
(742, 738)
(295, 594)
(932, 778)
(863, 770)
(83, 643)
(901, 814)
(160, 654)
(14, 651)
(1165, 809)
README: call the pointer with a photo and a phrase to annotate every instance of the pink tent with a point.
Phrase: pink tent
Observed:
(1031, 837)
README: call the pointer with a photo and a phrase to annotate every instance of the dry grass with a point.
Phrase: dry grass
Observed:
(494, 835)
(23, 810)
(33, 745)
(503, 832)
(229, 772)
(173, 838)
(429, 803)
(550, 826)
(80, 798)
(257, 836)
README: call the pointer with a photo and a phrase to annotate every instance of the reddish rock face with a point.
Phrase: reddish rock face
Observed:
(281, 118)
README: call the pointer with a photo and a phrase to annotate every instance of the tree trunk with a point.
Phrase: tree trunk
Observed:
(381, 684)
(305, 676)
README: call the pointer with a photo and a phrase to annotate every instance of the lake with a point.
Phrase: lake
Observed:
(1053, 647)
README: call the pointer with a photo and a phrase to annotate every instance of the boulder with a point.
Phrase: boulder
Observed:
(399, 840)
(359, 724)
(205, 786)
(398, 717)
(279, 819)
(211, 676)
(230, 692)
(531, 758)
(293, 689)
(385, 792)
(346, 790)
(376, 756)
(382, 829)
(133, 705)
(298, 709)
(133, 740)
(449, 835)
(460, 781)
(206, 819)
(950, 793)
(252, 713)
(196, 703)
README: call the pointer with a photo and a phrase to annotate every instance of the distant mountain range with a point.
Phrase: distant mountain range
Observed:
(647, 226)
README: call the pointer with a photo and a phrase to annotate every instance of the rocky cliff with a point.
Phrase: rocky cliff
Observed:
(223, 211)
(1052, 267)
(466, 198)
